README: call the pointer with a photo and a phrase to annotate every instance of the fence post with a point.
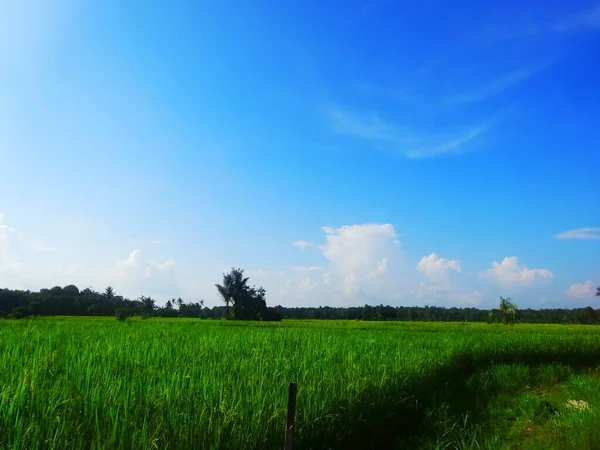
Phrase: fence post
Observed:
(291, 413)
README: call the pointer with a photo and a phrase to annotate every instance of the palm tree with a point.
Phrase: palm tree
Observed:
(598, 291)
(232, 290)
(109, 293)
(508, 310)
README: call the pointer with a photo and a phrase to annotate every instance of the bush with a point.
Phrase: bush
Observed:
(122, 314)
(20, 312)
(2, 315)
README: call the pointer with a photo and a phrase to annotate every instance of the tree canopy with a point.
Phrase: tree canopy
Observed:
(248, 302)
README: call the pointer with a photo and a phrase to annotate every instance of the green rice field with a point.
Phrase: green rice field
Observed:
(95, 383)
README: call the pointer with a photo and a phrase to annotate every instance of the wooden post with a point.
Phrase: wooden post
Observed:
(291, 414)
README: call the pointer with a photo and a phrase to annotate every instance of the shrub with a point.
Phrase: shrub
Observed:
(20, 312)
(122, 314)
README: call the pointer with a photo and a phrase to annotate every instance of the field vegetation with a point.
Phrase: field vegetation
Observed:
(98, 383)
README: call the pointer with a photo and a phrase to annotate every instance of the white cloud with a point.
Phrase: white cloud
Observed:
(360, 251)
(510, 273)
(1, 217)
(146, 268)
(588, 20)
(7, 242)
(308, 268)
(581, 290)
(26, 264)
(437, 269)
(378, 132)
(586, 233)
(364, 264)
(302, 245)
(497, 85)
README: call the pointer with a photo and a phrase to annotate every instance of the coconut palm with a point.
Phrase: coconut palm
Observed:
(233, 289)
(598, 291)
(508, 310)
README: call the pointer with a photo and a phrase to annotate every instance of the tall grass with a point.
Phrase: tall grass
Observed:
(185, 384)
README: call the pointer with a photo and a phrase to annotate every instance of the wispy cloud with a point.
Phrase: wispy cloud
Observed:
(497, 85)
(587, 20)
(302, 245)
(585, 233)
(386, 136)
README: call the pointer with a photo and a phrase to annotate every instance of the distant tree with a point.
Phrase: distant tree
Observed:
(56, 290)
(148, 305)
(508, 310)
(2, 315)
(35, 308)
(233, 289)
(70, 290)
(598, 291)
(249, 303)
(93, 309)
(109, 293)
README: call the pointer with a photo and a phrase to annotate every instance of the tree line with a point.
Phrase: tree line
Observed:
(245, 302)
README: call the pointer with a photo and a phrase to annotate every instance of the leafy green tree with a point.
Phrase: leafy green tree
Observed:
(508, 310)
(70, 290)
(147, 304)
(93, 309)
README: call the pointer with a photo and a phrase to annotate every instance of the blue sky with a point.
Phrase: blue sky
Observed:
(342, 152)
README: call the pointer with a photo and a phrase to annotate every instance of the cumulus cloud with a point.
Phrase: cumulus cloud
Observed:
(360, 255)
(581, 290)
(511, 273)
(585, 233)
(437, 269)
(362, 263)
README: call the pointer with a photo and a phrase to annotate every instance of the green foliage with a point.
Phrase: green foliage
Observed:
(20, 311)
(508, 310)
(35, 308)
(122, 314)
(83, 383)
(249, 303)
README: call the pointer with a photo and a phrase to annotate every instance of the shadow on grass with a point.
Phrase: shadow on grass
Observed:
(400, 416)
